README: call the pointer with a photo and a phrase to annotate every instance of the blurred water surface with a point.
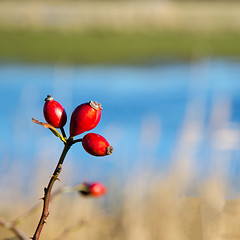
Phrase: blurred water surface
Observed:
(181, 114)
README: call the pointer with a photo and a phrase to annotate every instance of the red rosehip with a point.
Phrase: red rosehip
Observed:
(85, 117)
(96, 145)
(54, 112)
(95, 189)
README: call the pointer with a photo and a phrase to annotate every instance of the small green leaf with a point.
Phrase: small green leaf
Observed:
(52, 129)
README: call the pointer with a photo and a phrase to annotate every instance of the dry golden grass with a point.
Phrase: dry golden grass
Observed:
(151, 207)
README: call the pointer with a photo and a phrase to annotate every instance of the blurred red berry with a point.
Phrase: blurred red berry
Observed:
(96, 145)
(54, 112)
(95, 189)
(85, 117)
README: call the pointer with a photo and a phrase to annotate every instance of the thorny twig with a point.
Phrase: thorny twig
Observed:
(48, 189)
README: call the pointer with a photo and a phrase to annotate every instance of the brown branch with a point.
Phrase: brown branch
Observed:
(11, 226)
(48, 189)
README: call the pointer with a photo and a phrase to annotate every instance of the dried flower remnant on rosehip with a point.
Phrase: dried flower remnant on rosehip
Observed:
(96, 145)
(85, 117)
(54, 112)
(95, 189)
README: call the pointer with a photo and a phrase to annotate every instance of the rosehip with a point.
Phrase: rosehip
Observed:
(85, 117)
(96, 145)
(95, 189)
(54, 112)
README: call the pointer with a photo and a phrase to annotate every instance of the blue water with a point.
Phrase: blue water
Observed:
(144, 109)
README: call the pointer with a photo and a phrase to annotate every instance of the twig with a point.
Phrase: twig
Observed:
(77, 140)
(48, 189)
(13, 229)
(63, 132)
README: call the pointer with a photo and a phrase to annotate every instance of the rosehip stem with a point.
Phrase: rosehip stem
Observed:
(77, 140)
(48, 189)
(63, 132)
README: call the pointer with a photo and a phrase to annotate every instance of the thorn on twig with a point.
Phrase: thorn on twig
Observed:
(46, 215)
(42, 198)
(58, 179)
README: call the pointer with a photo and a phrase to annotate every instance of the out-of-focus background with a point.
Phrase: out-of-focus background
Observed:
(167, 74)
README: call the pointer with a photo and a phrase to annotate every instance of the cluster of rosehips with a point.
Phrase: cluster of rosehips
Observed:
(84, 118)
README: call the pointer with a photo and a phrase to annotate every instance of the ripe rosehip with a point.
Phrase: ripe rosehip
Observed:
(96, 145)
(95, 189)
(54, 112)
(85, 117)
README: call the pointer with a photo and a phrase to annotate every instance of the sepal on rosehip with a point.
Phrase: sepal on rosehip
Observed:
(96, 145)
(95, 189)
(54, 113)
(85, 117)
